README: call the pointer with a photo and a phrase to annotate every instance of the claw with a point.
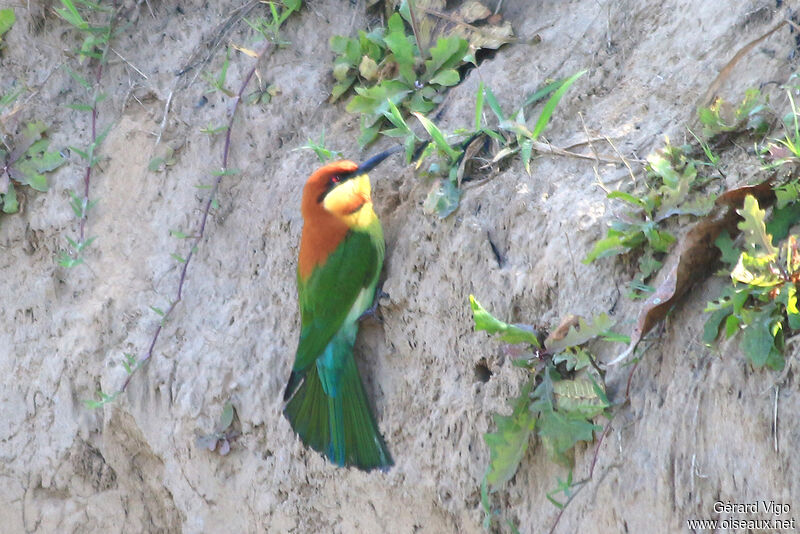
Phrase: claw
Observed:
(371, 312)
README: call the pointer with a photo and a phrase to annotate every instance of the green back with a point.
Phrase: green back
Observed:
(328, 295)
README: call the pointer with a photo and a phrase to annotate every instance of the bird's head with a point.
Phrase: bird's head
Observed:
(341, 188)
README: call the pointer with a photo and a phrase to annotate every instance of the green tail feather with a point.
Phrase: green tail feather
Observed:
(341, 426)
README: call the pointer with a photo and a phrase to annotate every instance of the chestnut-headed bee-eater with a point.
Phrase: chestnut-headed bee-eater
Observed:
(341, 255)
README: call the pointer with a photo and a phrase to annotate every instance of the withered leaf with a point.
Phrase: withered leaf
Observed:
(697, 254)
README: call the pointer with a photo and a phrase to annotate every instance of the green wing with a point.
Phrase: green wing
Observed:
(331, 290)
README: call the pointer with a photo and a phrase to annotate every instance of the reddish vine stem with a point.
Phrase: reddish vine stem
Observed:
(87, 177)
(201, 232)
(582, 483)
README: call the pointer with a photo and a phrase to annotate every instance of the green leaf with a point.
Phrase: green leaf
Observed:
(446, 54)
(560, 433)
(371, 102)
(782, 220)
(10, 204)
(543, 92)
(711, 328)
(753, 227)
(7, 19)
(507, 445)
(579, 398)
(442, 199)
(664, 169)
(611, 245)
(789, 294)
(574, 358)
(583, 333)
(129, 363)
(730, 254)
(341, 88)
(627, 197)
(508, 332)
(758, 340)
(732, 324)
(438, 137)
(525, 152)
(70, 13)
(401, 47)
(80, 107)
(159, 311)
(447, 78)
(478, 107)
(226, 418)
(787, 194)
(552, 102)
(494, 105)
(660, 240)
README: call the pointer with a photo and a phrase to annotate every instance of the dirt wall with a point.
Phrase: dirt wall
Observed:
(698, 426)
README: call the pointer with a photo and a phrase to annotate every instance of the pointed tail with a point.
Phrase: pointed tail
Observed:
(340, 426)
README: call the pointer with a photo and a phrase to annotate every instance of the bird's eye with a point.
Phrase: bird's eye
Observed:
(335, 180)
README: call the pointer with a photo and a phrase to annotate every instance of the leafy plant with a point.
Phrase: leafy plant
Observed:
(762, 302)
(220, 440)
(448, 158)
(785, 150)
(94, 48)
(323, 153)
(723, 117)
(388, 66)
(26, 163)
(561, 396)
(673, 187)
(270, 26)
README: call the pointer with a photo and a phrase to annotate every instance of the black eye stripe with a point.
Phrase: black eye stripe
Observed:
(332, 182)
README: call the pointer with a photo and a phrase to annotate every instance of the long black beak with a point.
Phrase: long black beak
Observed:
(372, 162)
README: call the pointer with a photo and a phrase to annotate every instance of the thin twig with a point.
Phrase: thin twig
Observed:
(775, 419)
(545, 148)
(582, 483)
(596, 157)
(131, 65)
(164, 119)
(201, 232)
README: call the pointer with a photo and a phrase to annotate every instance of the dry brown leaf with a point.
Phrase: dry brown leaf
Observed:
(486, 36)
(561, 332)
(472, 10)
(434, 22)
(696, 257)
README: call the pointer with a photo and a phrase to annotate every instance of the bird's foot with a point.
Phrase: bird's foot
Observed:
(372, 311)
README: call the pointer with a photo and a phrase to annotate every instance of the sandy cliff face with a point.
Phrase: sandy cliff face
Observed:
(697, 429)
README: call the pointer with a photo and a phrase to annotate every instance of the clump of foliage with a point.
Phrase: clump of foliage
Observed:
(25, 163)
(722, 117)
(562, 395)
(220, 440)
(676, 183)
(270, 26)
(761, 304)
(385, 65)
(673, 186)
(445, 156)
